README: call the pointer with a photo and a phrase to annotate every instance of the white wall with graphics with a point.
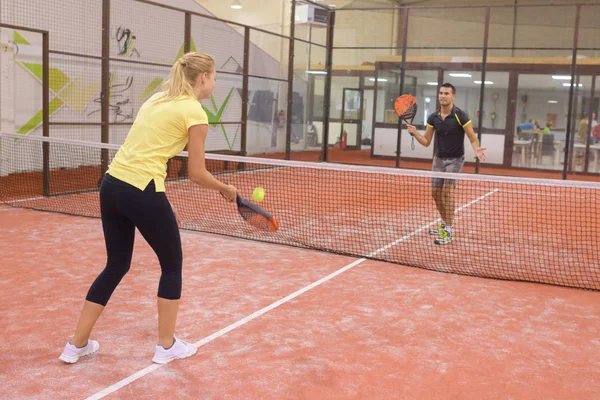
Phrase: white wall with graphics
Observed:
(139, 32)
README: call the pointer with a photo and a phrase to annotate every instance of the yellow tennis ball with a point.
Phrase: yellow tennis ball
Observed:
(258, 194)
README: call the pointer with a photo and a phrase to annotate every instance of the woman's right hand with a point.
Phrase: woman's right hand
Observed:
(411, 129)
(229, 192)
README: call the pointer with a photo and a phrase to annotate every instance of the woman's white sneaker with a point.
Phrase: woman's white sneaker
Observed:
(179, 349)
(71, 354)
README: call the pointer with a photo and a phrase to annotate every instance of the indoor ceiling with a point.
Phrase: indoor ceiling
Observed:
(386, 3)
(498, 80)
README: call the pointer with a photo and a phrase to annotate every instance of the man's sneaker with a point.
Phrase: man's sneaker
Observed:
(71, 353)
(178, 350)
(437, 229)
(444, 238)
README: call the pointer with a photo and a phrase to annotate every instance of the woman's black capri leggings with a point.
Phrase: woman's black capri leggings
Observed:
(123, 208)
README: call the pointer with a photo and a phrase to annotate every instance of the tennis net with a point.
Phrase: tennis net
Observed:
(506, 228)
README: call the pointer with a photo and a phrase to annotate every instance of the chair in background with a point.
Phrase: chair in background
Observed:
(547, 148)
(526, 135)
(531, 152)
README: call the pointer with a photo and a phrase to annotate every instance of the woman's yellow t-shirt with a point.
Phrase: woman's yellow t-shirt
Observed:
(159, 132)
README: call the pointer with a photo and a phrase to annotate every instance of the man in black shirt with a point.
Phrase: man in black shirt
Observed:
(450, 125)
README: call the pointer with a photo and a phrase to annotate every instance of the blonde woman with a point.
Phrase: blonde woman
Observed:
(133, 195)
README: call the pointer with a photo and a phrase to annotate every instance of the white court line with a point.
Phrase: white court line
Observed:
(545, 194)
(405, 237)
(124, 382)
(22, 200)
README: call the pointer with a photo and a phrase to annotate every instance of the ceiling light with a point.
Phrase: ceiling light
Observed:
(236, 5)
(317, 72)
(432, 83)
(486, 82)
(568, 84)
(460, 75)
(561, 77)
(552, 101)
(378, 79)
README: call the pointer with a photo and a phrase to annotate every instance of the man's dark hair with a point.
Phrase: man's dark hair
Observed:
(451, 86)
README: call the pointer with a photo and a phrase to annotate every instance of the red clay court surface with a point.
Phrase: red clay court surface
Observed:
(521, 231)
(375, 330)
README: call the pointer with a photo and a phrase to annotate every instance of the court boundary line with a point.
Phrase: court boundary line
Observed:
(9, 202)
(143, 372)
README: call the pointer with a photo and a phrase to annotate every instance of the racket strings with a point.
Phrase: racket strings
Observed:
(246, 213)
(410, 112)
(258, 220)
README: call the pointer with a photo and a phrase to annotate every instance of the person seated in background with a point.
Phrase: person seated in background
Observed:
(582, 128)
(536, 125)
(526, 127)
(547, 128)
(596, 134)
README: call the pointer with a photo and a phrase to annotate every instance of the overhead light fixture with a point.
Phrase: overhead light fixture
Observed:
(378, 79)
(432, 83)
(427, 100)
(569, 84)
(454, 75)
(236, 5)
(552, 101)
(486, 82)
(317, 72)
(561, 77)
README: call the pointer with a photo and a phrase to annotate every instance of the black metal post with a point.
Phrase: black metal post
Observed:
(327, 94)
(46, 112)
(571, 89)
(486, 36)
(402, 75)
(589, 127)
(245, 66)
(105, 85)
(290, 97)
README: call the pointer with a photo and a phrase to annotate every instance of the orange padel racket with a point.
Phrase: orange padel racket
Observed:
(406, 108)
(256, 216)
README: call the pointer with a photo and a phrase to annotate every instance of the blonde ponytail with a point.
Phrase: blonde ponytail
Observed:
(184, 73)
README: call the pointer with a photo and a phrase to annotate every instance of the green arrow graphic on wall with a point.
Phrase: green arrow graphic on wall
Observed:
(72, 93)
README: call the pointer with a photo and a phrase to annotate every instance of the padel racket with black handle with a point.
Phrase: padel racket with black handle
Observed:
(255, 216)
(406, 107)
